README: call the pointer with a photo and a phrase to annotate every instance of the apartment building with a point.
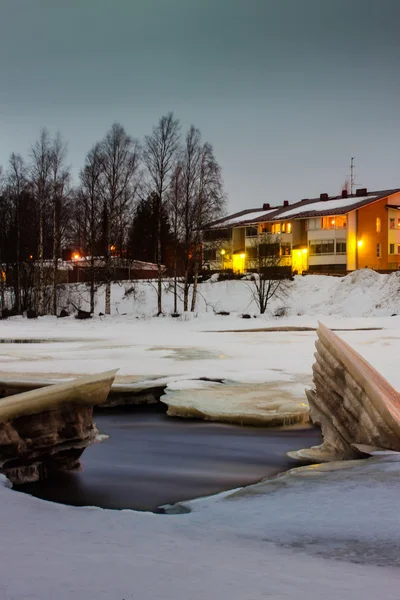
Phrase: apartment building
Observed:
(345, 232)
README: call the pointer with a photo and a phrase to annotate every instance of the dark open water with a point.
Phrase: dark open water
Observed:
(151, 459)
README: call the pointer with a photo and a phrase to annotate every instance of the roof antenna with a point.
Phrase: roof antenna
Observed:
(352, 179)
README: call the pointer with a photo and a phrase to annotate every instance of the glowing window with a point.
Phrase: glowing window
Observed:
(378, 224)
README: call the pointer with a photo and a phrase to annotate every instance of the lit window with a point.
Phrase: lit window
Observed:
(289, 228)
(378, 224)
(392, 223)
(378, 251)
(391, 248)
(398, 223)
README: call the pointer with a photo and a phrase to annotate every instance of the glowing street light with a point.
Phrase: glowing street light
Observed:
(359, 243)
(76, 256)
(222, 252)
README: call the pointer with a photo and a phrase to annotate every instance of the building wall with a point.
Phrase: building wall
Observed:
(351, 240)
(369, 237)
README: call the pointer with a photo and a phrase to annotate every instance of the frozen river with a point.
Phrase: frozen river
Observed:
(151, 459)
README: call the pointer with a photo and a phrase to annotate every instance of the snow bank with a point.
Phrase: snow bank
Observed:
(363, 293)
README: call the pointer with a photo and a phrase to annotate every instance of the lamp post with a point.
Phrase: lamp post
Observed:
(222, 253)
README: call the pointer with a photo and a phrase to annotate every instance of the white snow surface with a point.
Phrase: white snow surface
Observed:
(311, 534)
(304, 536)
(323, 205)
(246, 218)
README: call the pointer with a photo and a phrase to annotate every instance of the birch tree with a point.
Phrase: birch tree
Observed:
(119, 163)
(160, 150)
(89, 212)
(59, 190)
(175, 207)
(40, 169)
(209, 205)
(16, 185)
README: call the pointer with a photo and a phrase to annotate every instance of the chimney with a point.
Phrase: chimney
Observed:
(324, 197)
(361, 191)
(345, 193)
(286, 203)
(265, 206)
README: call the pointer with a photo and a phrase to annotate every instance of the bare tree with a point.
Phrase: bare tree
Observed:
(40, 169)
(16, 184)
(175, 205)
(210, 203)
(267, 282)
(3, 217)
(119, 160)
(160, 149)
(89, 212)
(190, 174)
(59, 191)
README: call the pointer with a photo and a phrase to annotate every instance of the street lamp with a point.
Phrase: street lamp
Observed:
(222, 253)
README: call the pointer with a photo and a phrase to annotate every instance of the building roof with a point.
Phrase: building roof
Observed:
(307, 208)
(251, 215)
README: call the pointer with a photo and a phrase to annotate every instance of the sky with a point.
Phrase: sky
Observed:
(287, 91)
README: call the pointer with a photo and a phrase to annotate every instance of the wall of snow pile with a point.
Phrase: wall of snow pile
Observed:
(363, 293)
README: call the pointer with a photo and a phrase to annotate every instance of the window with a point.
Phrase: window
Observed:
(378, 224)
(286, 228)
(392, 223)
(398, 223)
(251, 252)
(209, 254)
(378, 251)
(391, 248)
(286, 249)
(314, 224)
(339, 222)
(268, 250)
(398, 248)
(340, 246)
(321, 247)
(218, 234)
(276, 228)
(251, 232)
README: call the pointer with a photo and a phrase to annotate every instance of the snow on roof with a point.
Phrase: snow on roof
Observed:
(324, 206)
(250, 217)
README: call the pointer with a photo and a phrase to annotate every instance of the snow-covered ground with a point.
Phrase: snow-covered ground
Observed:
(207, 345)
(294, 537)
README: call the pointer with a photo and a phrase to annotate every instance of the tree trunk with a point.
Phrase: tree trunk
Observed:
(92, 282)
(159, 265)
(175, 281)
(195, 276)
(40, 301)
(55, 261)
(2, 290)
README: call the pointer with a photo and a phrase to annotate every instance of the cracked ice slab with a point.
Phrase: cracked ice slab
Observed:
(270, 404)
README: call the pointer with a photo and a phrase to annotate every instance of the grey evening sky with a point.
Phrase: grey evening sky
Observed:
(286, 90)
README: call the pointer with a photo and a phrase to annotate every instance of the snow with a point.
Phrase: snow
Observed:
(178, 352)
(312, 533)
(246, 218)
(323, 206)
(274, 540)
